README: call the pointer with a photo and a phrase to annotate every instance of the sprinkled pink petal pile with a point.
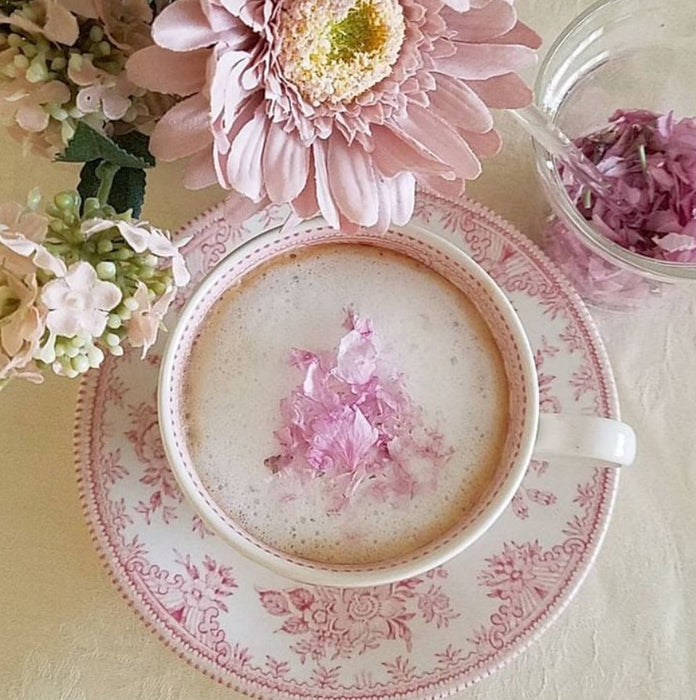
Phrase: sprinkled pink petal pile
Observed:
(651, 161)
(352, 424)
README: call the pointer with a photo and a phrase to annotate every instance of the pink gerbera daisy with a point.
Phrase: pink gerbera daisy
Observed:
(336, 107)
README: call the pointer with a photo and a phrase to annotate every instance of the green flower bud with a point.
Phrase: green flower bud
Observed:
(37, 71)
(95, 356)
(75, 61)
(149, 260)
(106, 270)
(34, 199)
(67, 131)
(77, 341)
(59, 64)
(71, 351)
(30, 13)
(104, 246)
(123, 254)
(114, 321)
(29, 50)
(130, 304)
(80, 364)
(112, 340)
(96, 34)
(21, 61)
(104, 48)
(56, 111)
(14, 40)
(92, 206)
(66, 201)
(59, 350)
(116, 350)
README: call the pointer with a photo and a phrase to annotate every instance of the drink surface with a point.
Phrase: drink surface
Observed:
(424, 328)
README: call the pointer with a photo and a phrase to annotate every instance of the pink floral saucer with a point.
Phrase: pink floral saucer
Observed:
(423, 637)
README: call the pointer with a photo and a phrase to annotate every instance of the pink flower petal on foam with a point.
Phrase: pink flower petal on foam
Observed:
(356, 360)
(159, 69)
(182, 131)
(353, 425)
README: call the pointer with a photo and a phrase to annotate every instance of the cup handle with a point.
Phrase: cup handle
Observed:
(585, 438)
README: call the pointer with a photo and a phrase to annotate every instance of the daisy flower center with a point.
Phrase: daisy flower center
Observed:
(334, 50)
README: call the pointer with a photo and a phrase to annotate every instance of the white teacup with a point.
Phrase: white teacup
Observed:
(211, 426)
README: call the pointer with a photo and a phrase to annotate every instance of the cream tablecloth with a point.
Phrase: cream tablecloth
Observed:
(66, 634)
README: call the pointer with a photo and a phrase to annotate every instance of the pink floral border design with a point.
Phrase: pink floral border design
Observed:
(528, 582)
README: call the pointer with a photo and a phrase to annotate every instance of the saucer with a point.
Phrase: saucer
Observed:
(422, 637)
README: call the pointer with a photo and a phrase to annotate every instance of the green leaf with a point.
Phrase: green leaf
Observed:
(127, 190)
(89, 182)
(87, 144)
(137, 144)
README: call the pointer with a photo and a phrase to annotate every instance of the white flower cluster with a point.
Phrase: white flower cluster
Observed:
(76, 287)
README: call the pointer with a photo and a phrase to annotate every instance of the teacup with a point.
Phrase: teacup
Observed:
(458, 346)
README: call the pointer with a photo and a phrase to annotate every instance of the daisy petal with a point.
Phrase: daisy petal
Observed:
(459, 105)
(161, 70)
(394, 155)
(496, 18)
(200, 171)
(244, 167)
(507, 91)
(402, 190)
(183, 130)
(441, 140)
(327, 206)
(352, 182)
(183, 26)
(519, 34)
(483, 61)
(285, 165)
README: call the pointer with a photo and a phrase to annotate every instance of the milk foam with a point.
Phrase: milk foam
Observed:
(238, 373)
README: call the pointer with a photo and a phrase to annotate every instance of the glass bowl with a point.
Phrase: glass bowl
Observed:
(618, 54)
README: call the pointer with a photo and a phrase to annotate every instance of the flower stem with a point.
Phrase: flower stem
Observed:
(106, 173)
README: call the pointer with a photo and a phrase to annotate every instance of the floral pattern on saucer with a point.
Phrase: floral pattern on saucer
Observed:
(419, 638)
